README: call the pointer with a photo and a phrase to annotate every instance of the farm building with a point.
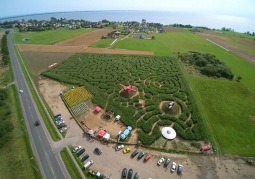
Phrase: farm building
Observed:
(141, 36)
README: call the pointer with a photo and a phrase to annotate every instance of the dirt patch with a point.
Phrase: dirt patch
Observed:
(223, 40)
(85, 39)
(171, 29)
(39, 61)
(78, 49)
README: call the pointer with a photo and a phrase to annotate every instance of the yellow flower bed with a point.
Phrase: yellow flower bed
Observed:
(76, 96)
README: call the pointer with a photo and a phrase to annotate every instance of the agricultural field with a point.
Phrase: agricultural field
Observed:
(143, 44)
(48, 37)
(158, 80)
(102, 43)
(231, 113)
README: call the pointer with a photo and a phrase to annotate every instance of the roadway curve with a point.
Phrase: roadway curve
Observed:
(51, 166)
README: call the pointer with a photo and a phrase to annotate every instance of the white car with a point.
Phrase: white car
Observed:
(20, 91)
(119, 147)
(63, 129)
(76, 148)
(173, 168)
(161, 161)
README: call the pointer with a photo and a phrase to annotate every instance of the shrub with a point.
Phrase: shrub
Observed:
(196, 144)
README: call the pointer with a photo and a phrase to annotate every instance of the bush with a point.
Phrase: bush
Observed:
(196, 144)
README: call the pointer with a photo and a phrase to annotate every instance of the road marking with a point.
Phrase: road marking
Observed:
(52, 171)
(29, 107)
(39, 137)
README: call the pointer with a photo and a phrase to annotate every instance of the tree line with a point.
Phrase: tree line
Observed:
(4, 49)
(208, 64)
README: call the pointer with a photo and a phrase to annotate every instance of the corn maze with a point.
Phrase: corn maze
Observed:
(158, 80)
(75, 100)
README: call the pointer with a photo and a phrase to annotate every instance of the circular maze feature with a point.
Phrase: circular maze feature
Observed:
(154, 79)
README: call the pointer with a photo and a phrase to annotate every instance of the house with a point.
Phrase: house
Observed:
(141, 36)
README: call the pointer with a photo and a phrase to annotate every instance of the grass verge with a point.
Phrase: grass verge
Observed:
(71, 168)
(86, 172)
(17, 158)
(53, 133)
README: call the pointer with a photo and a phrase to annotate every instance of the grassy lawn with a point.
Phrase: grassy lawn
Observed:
(143, 45)
(229, 107)
(47, 37)
(239, 35)
(72, 170)
(102, 43)
(16, 154)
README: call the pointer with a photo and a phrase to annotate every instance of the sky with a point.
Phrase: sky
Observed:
(239, 8)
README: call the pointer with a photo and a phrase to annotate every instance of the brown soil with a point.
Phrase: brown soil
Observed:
(171, 29)
(77, 49)
(85, 39)
(224, 41)
(39, 61)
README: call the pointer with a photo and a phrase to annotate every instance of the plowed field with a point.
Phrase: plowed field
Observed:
(77, 49)
(85, 39)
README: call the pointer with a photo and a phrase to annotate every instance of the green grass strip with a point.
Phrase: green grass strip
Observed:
(71, 168)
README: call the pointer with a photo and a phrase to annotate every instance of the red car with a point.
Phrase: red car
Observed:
(147, 157)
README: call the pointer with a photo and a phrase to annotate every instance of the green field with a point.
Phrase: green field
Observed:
(47, 37)
(229, 107)
(143, 45)
(102, 43)
(239, 35)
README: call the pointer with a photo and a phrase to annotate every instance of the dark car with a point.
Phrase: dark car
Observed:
(98, 151)
(130, 173)
(85, 157)
(179, 170)
(167, 162)
(124, 173)
(136, 175)
(80, 152)
(134, 153)
(37, 123)
(61, 125)
(141, 155)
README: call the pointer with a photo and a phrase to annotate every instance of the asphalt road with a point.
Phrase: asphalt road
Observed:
(49, 164)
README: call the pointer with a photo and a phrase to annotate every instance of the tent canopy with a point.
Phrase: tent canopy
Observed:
(101, 133)
(107, 136)
(90, 132)
(168, 132)
(97, 109)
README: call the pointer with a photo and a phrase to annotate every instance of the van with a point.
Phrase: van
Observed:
(88, 164)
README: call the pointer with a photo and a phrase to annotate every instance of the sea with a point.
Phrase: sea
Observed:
(239, 24)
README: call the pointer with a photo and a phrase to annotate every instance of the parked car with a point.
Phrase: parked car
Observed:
(37, 123)
(88, 164)
(130, 173)
(141, 155)
(80, 152)
(147, 157)
(98, 151)
(161, 161)
(57, 115)
(127, 150)
(136, 175)
(167, 162)
(119, 147)
(63, 129)
(179, 170)
(124, 173)
(61, 125)
(173, 168)
(134, 153)
(85, 157)
(76, 149)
